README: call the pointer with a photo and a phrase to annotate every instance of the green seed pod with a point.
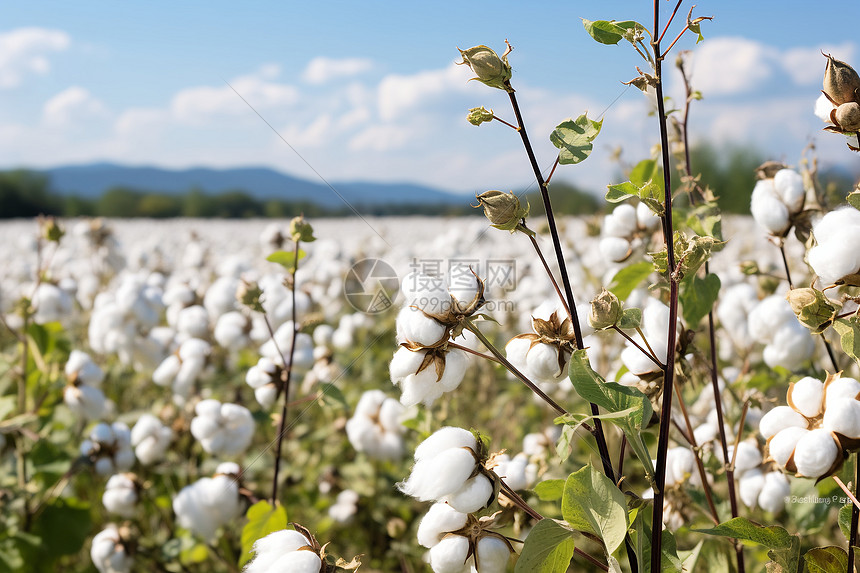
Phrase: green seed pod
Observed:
(489, 68)
(502, 209)
(478, 115)
(606, 311)
(813, 309)
(251, 295)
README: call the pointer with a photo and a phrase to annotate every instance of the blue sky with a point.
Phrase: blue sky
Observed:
(368, 90)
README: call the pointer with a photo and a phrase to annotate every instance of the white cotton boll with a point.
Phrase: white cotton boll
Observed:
(680, 465)
(513, 471)
(345, 507)
(443, 439)
(637, 362)
(616, 249)
(841, 389)
(783, 444)
(443, 474)
(222, 429)
(439, 520)
(150, 439)
(843, 417)
(413, 325)
(456, 362)
(220, 297)
(266, 395)
(194, 348)
(108, 553)
(791, 347)
(542, 364)
(705, 433)
(767, 208)
(621, 222)
(815, 453)
(516, 351)
(449, 555)
(167, 371)
(189, 370)
(322, 335)
(120, 496)
(102, 433)
(748, 456)
(774, 492)
(733, 309)
(295, 562)
(646, 218)
(50, 304)
(261, 373)
(105, 466)
(823, 107)
(788, 184)
(85, 401)
(749, 486)
(271, 546)
(833, 261)
(836, 225)
(805, 396)
(82, 368)
(463, 285)
(230, 330)
(476, 494)
(493, 555)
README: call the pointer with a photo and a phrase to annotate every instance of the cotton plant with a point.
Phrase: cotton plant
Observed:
(108, 448)
(222, 429)
(83, 394)
(777, 199)
(110, 550)
(150, 439)
(427, 365)
(286, 550)
(627, 229)
(375, 427)
(449, 467)
(460, 543)
(121, 494)
(210, 502)
(811, 435)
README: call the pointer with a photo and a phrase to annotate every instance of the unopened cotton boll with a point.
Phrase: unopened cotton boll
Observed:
(150, 439)
(120, 496)
(108, 551)
(209, 503)
(222, 429)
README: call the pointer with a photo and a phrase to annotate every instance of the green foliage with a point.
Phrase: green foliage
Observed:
(574, 139)
(729, 172)
(783, 548)
(612, 32)
(26, 194)
(826, 560)
(849, 336)
(628, 278)
(697, 296)
(548, 548)
(286, 259)
(592, 503)
(646, 183)
(263, 519)
(550, 489)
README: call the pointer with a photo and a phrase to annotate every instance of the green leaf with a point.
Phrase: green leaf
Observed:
(621, 191)
(845, 519)
(698, 296)
(550, 489)
(849, 336)
(628, 278)
(286, 259)
(615, 398)
(689, 558)
(784, 548)
(631, 318)
(830, 559)
(645, 172)
(574, 139)
(854, 199)
(66, 523)
(331, 395)
(591, 502)
(641, 537)
(263, 519)
(548, 549)
(611, 32)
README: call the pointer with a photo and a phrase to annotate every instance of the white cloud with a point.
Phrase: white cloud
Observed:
(25, 51)
(136, 122)
(727, 66)
(380, 138)
(73, 105)
(322, 70)
(400, 94)
(205, 104)
(806, 65)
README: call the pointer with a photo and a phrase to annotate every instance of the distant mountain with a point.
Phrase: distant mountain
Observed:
(92, 180)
